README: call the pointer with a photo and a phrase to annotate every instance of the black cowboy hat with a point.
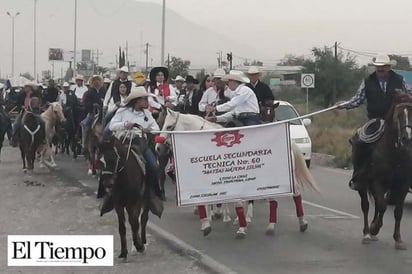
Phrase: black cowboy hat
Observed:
(191, 79)
(156, 70)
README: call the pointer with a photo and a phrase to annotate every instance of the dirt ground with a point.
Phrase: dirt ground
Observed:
(45, 204)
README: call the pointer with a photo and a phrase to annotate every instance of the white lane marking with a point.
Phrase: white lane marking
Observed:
(331, 209)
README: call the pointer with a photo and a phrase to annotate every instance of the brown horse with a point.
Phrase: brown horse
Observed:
(31, 135)
(93, 137)
(124, 176)
(389, 169)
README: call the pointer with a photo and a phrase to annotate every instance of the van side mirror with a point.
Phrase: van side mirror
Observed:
(307, 121)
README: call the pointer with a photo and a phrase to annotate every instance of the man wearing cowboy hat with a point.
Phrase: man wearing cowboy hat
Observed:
(377, 92)
(218, 94)
(191, 97)
(79, 89)
(135, 112)
(262, 91)
(243, 105)
(112, 93)
(179, 87)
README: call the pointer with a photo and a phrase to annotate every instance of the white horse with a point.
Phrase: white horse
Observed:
(179, 122)
(51, 117)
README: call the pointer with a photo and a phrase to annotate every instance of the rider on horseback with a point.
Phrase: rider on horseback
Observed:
(135, 112)
(377, 92)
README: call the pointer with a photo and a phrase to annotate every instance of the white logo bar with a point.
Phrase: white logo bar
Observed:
(60, 250)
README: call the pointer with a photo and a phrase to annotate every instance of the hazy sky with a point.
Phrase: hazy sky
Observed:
(268, 29)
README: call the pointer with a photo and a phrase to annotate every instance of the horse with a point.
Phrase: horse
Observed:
(32, 135)
(178, 121)
(5, 127)
(124, 176)
(72, 128)
(93, 137)
(52, 116)
(389, 169)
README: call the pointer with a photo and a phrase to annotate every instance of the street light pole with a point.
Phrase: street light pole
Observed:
(35, 34)
(162, 56)
(12, 40)
(75, 39)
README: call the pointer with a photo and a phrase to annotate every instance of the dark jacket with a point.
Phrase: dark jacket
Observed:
(91, 97)
(191, 107)
(262, 91)
(378, 101)
(50, 95)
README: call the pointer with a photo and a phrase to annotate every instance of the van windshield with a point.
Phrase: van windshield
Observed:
(285, 112)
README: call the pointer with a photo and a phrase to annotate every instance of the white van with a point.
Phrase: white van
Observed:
(298, 132)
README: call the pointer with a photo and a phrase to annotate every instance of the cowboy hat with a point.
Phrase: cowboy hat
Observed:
(124, 69)
(156, 70)
(253, 70)
(79, 77)
(96, 77)
(179, 78)
(137, 92)
(219, 73)
(191, 79)
(236, 75)
(107, 80)
(65, 84)
(383, 60)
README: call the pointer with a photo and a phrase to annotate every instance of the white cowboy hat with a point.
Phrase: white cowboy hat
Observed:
(124, 69)
(65, 84)
(253, 70)
(138, 92)
(79, 77)
(236, 75)
(383, 60)
(107, 80)
(179, 78)
(219, 73)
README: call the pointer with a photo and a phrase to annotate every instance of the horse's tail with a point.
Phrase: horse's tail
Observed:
(303, 176)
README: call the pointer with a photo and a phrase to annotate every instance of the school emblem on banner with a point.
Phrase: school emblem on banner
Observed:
(227, 138)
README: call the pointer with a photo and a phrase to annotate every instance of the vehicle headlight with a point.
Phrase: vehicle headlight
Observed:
(301, 140)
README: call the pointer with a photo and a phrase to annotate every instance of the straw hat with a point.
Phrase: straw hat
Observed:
(124, 69)
(253, 70)
(236, 75)
(383, 60)
(179, 78)
(137, 92)
(219, 73)
(65, 85)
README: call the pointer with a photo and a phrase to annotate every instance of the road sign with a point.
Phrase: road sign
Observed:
(307, 80)
(138, 77)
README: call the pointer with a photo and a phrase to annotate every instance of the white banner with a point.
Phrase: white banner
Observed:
(60, 250)
(249, 163)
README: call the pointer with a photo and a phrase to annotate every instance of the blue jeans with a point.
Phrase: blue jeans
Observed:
(152, 171)
(249, 120)
(88, 121)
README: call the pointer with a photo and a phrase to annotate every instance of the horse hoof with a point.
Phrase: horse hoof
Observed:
(25, 170)
(123, 255)
(270, 230)
(241, 233)
(366, 239)
(207, 231)
(140, 248)
(374, 238)
(399, 245)
(303, 226)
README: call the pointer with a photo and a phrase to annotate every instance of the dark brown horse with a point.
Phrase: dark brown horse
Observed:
(93, 138)
(5, 126)
(122, 174)
(31, 136)
(389, 169)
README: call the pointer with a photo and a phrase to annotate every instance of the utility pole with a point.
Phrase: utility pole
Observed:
(147, 58)
(162, 56)
(126, 62)
(75, 39)
(34, 40)
(168, 61)
(12, 40)
(229, 59)
(336, 75)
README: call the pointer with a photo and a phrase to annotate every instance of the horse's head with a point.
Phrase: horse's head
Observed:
(109, 162)
(57, 110)
(400, 118)
(267, 111)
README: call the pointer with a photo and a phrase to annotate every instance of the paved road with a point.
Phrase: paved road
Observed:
(332, 244)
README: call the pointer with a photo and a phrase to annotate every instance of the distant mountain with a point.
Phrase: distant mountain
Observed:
(108, 24)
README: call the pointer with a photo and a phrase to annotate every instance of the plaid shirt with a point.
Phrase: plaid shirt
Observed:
(360, 96)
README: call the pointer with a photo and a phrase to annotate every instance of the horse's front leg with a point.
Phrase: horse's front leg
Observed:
(367, 238)
(122, 231)
(52, 162)
(398, 212)
(143, 222)
(134, 212)
(23, 157)
(380, 208)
